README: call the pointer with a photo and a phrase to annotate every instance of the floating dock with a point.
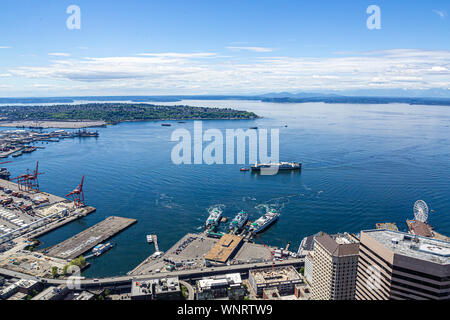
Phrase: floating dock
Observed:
(89, 238)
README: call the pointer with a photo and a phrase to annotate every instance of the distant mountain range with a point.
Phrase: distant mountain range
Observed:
(385, 93)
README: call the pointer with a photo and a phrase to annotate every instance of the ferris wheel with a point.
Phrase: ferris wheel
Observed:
(421, 211)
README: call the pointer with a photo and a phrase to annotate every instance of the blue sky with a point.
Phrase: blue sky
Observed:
(228, 47)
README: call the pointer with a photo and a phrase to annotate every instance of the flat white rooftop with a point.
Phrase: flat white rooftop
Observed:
(423, 248)
(221, 280)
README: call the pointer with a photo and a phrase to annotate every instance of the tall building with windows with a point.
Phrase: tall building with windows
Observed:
(396, 265)
(335, 266)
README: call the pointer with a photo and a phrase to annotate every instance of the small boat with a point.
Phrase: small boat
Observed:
(166, 125)
(254, 128)
(245, 169)
(102, 248)
(18, 154)
(149, 238)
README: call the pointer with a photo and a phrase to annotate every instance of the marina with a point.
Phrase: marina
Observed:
(15, 143)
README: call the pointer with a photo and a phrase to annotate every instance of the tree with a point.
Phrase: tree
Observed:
(184, 292)
(54, 272)
(64, 270)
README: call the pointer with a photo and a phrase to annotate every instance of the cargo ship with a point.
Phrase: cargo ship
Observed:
(214, 217)
(84, 133)
(265, 221)
(239, 221)
(282, 166)
(101, 248)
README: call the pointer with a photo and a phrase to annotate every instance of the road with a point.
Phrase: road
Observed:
(182, 275)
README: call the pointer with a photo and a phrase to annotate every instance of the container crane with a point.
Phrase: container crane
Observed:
(77, 194)
(29, 181)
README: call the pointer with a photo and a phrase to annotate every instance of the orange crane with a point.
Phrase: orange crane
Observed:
(77, 194)
(29, 181)
(33, 179)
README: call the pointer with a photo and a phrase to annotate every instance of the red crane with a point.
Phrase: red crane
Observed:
(33, 179)
(29, 181)
(77, 194)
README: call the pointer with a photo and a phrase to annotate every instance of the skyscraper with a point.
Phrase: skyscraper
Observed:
(396, 265)
(335, 267)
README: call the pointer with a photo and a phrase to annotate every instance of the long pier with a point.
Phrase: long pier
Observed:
(89, 238)
(155, 241)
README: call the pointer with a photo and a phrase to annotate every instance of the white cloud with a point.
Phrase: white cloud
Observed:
(253, 49)
(179, 55)
(315, 76)
(198, 73)
(59, 54)
(441, 13)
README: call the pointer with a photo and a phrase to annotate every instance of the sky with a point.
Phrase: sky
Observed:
(184, 47)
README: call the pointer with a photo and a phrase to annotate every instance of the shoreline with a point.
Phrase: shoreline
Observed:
(80, 124)
(48, 124)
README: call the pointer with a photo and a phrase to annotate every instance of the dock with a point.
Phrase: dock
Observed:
(89, 238)
(155, 241)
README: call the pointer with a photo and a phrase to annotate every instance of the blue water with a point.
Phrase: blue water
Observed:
(362, 164)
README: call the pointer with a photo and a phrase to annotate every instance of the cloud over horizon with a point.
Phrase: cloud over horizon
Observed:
(172, 73)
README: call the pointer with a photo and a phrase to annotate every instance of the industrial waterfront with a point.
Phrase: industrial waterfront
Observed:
(352, 177)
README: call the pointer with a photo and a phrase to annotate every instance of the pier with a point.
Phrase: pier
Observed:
(89, 238)
(155, 241)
